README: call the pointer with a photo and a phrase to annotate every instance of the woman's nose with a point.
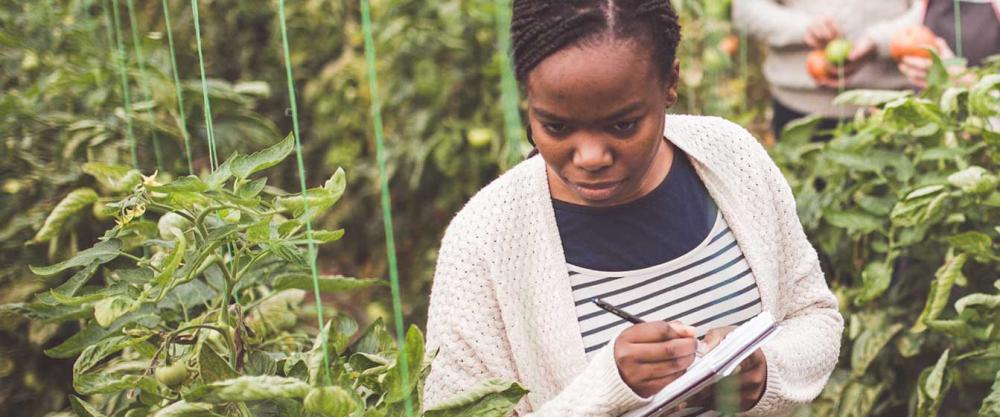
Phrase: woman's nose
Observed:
(592, 155)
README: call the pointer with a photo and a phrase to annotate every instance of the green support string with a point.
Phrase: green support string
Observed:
(123, 70)
(177, 88)
(209, 131)
(958, 28)
(376, 111)
(508, 85)
(142, 81)
(302, 183)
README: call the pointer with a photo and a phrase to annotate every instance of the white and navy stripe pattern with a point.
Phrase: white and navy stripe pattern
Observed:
(710, 286)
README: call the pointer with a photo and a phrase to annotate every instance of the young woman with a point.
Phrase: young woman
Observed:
(681, 220)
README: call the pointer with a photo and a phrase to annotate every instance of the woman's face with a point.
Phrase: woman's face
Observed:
(596, 113)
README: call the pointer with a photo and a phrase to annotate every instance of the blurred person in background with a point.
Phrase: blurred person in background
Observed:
(793, 28)
(980, 36)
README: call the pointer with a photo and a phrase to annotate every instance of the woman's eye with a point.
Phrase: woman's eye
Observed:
(625, 126)
(555, 128)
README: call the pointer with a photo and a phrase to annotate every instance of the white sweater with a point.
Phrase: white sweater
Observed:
(501, 303)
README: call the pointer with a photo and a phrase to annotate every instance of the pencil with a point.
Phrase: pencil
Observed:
(700, 350)
(616, 311)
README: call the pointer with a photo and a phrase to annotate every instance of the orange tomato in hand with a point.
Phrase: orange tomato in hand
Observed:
(912, 41)
(817, 65)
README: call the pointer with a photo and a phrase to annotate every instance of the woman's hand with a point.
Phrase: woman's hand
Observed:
(751, 375)
(821, 31)
(916, 68)
(651, 355)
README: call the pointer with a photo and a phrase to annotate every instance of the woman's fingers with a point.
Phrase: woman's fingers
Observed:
(662, 351)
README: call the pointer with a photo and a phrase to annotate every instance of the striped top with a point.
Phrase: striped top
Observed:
(710, 286)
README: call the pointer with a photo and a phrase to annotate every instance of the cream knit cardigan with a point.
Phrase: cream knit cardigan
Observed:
(501, 303)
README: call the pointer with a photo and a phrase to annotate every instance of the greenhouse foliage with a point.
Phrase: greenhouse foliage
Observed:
(159, 287)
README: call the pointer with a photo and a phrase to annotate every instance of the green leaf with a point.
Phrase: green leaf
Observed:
(974, 180)
(336, 184)
(854, 161)
(855, 221)
(979, 300)
(951, 97)
(185, 409)
(77, 281)
(879, 206)
(329, 402)
(982, 98)
(250, 388)
(223, 173)
(991, 404)
(244, 166)
(95, 353)
(869, 98)
(868, 345)
(170, 265)
(932, 386)
(190, 184)
(858, 398)
(116, 178)
(213, 368)
(107, 310)
(92, 333)
(73, 203)
(413, 351)
(253, 188)
(82, 408)
(940, 290)
(974, 243)
(876, 278)
(491, 398)
(923, 192)
(107, 383)
(100, 253)
(327, 283)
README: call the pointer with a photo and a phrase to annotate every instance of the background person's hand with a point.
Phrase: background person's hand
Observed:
(821, 31)
(651, 355)
(863, 51)
(751, 375)
(916, 68)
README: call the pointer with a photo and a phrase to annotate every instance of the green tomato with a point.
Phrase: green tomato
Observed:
(479, 137)
(838, 50)
(171, 225)
(171, 375)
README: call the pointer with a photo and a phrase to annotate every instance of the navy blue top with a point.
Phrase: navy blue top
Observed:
(658, 227)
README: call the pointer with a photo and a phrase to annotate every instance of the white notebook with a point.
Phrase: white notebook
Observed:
(716, 364)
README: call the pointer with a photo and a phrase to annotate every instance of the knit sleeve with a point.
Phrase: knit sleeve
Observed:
(802, 356)
(771, 22)
(882, 32)
(466, 329)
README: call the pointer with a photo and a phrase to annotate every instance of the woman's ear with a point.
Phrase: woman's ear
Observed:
(671, 91)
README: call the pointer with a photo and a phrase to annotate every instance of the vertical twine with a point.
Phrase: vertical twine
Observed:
(143, 80)
(302, 183)
(209, 131)
(508, 85)
(177, 88)
(123, 72)
(376, 111)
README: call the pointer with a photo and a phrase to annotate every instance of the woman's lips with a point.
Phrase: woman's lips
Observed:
(597, 191)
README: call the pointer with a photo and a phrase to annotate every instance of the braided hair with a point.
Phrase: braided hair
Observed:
(540, 28)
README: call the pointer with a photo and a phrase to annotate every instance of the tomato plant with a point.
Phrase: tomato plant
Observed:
(201, 311)
(903, 205)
